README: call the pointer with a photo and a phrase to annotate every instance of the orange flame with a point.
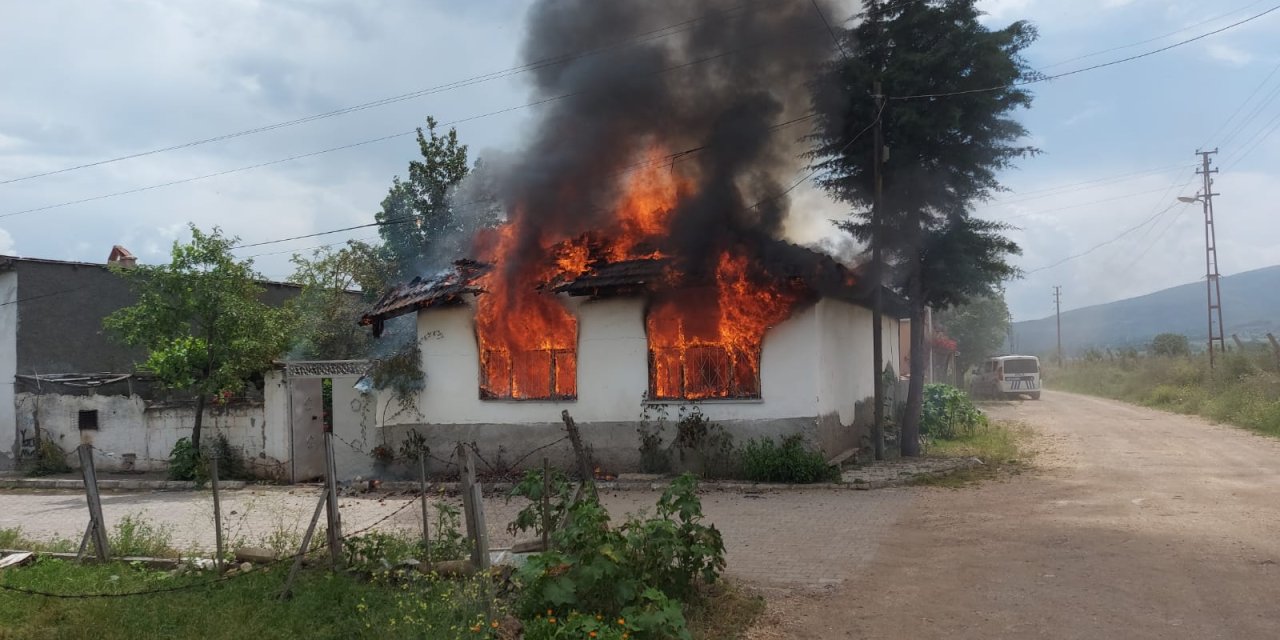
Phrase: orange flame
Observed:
(704, 338)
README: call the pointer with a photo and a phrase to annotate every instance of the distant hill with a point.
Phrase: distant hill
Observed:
(1250, 308)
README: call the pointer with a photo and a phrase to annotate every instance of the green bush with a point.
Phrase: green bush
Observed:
(639, 572)
(50, 459)
(1170, 345)
(948, 413)
(186, 463)
(791, 462)
(134, 536)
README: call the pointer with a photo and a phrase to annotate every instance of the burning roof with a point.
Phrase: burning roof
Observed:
(818, 272)
(446, 288)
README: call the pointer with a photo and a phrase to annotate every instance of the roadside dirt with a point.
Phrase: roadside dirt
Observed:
(1133, 524)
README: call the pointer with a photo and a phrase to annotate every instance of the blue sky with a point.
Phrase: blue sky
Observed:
(87, 80)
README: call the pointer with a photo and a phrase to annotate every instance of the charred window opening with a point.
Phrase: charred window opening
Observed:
(538, 374)
(699, 372)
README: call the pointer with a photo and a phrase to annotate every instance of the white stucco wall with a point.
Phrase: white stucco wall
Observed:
(8, 368)
(126, 425)
(846, 348)
(613, 372)
(275, 416)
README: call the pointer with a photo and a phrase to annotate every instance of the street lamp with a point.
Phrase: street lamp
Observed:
(1189, 200)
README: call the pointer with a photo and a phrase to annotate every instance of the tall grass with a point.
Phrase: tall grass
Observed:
(1243, 389)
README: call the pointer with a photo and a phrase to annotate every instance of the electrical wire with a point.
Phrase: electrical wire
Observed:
(1100, 245)
(1150, 40)
(1085, 204)
(1257, 141)
(1095, 67)
(648, 36)
(1232, 117)
(385, 138)
(1086, 185)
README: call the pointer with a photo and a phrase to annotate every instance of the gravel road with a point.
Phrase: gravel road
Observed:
(1134, 524)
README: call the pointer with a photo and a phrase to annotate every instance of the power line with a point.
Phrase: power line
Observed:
(1085, 204)
(1089, 68)
(1257, 142)
(1150, 40)
(834, 38)
(648, 36)
(1085, 185)
(1105, 243)
(535, 103)
(1253, 115)
(1232, 117)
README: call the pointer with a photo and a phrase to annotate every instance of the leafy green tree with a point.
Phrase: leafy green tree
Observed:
(337, 287)
(418, 214)
(979, 327)
(202, 320)
(945, 151)
(1171, 345)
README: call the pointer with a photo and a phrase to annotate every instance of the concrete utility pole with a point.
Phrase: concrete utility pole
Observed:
(1057, 302)
(1216, 333)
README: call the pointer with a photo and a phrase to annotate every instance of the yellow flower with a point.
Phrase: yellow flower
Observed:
(551, 620)
(494, 624)
(599, 617)
(592, 634)
(622, 622)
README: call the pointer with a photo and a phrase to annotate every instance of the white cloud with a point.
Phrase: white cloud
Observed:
(1229, 54)
(6, 244)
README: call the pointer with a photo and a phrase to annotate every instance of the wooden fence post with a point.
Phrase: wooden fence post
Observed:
(96, 522)
(217, 509)
(426, 514)
(579, 450)
(331, 488)
(1275, 348)
(306, 546)
(473, 509)
(546, 505)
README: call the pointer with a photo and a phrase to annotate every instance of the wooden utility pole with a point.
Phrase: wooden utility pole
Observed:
(1057, 303)
(877, 279)
(1214, 290)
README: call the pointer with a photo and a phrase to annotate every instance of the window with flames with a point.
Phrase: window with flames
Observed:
(702, 371)
(542, 374)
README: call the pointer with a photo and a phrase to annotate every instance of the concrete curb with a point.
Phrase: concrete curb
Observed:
(121, 485)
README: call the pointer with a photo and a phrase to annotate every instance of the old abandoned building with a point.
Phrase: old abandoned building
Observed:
(63, 378)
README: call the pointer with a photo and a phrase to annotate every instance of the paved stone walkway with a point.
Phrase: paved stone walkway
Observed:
(784, 538)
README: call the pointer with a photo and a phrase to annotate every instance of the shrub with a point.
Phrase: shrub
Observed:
(638, 572)
(704, 446)
(186, 463)
(134, 536)
(948, 413)
(50, 459)
(1171, 345)
(653, 457)
(764, 461)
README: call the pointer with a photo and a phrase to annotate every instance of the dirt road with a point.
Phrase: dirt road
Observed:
(1135, 524)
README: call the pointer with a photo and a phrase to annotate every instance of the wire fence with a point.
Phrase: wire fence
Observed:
(470, 491)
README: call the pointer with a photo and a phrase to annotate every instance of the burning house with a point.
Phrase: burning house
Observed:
(643, 258)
